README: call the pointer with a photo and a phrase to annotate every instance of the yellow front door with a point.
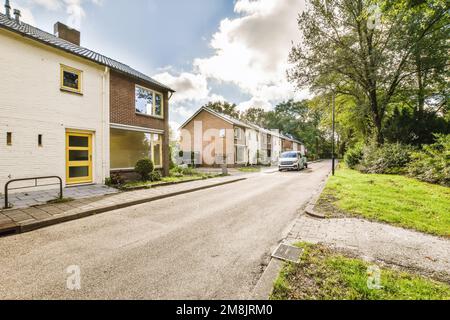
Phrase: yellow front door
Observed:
(79, 158)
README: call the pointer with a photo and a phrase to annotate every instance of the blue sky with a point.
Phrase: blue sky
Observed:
(205, 49)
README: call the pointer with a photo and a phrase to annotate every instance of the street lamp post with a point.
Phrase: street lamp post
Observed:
(334, 129)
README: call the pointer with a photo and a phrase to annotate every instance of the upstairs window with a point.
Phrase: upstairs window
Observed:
(9, 138)
(238, 133)
(71, 79)
(149, 102)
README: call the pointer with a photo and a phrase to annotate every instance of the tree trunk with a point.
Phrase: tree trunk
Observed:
(377, 117)
(420, 84)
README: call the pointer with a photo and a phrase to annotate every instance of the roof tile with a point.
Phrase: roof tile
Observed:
(49, 39)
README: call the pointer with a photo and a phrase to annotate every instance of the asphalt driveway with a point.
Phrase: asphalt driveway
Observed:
(211, 244)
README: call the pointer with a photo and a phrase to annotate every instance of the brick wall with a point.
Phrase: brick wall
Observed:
(207, 142)
(123, 110)
(288, 145)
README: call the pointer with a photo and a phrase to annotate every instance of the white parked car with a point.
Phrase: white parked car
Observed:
(292, 160)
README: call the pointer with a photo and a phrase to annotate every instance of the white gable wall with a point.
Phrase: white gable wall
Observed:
(31, 103)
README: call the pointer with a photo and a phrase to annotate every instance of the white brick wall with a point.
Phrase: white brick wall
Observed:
(31, 103)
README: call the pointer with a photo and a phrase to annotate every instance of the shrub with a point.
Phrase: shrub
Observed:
(354, 156)
(114, 180)
(432, 164)
(189, 171)
(144, 167)
(390, 158)
(155, 176)
(177, 171)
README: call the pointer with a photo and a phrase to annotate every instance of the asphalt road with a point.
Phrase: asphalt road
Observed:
(210, 244)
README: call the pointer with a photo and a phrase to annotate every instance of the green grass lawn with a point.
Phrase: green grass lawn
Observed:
(327, 275)
(250, 169)
(393, 199)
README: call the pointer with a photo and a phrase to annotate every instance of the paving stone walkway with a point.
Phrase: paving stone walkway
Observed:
(23, 220)
(377, 241)
(22, 200)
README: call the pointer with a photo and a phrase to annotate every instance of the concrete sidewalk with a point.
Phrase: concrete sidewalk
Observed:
(24, 200)
(25, 220)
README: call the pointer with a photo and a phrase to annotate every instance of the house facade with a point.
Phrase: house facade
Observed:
(64, 109)
(211, 135)
(139, 123)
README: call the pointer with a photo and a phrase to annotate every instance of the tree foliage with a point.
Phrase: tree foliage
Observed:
(225, 108)
(371, 51)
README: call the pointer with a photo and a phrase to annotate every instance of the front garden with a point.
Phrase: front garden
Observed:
(150, 177)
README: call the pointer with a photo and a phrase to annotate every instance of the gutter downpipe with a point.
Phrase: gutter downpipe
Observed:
(105, 125)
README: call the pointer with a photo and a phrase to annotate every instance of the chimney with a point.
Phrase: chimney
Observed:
(17, 15)
(8, 9)
(64, 32)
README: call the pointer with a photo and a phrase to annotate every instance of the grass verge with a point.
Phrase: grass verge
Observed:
(393, 199)
(324, 274)
(250, 169)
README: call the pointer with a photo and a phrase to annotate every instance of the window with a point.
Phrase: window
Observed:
(40, 140)
(157, 151)
(9, 138)
(149, 102)
(238, 133)
(128, 147)
(240, 154)
(71, 79)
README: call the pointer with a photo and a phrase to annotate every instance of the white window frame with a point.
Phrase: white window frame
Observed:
(160, 141)
(154, 93)
(238, 133)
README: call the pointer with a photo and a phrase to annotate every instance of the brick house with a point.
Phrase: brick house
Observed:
(212, 135)
(132, 121)
(70, 112)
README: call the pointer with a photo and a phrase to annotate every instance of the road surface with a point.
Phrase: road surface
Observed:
(211, 244)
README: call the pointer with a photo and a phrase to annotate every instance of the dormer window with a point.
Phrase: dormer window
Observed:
(71, 79)
(149, 102)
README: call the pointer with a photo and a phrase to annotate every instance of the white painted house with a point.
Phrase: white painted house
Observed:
(57, 100)
(39, 116)
(252, 139)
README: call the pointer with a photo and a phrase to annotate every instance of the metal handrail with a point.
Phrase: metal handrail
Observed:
(7, 206)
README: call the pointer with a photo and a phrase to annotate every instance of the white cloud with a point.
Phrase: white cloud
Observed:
(255, 103)
(26, 15)
(252, 51)
(73, 8)
(52, 5)
(188, 86)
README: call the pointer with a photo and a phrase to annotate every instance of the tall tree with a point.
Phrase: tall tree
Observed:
(362, 48)
(225, 108)
(256, 116)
